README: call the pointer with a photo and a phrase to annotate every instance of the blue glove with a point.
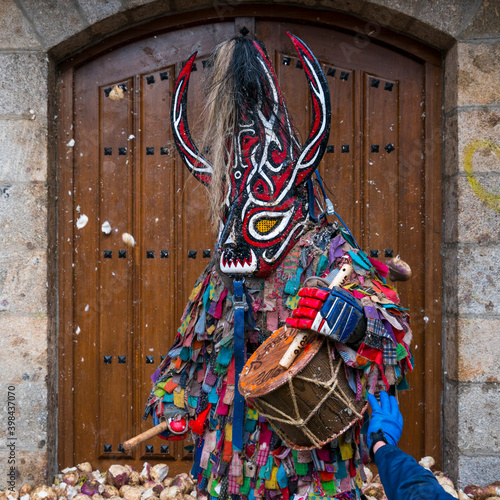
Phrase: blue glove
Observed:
(386, 417)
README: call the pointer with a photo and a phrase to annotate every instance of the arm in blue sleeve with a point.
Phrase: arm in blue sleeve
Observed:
(404, 479)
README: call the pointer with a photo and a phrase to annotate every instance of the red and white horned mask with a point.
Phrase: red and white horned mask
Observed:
(265, 170)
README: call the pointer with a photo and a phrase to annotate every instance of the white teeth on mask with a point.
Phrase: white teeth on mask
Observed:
(238, 266)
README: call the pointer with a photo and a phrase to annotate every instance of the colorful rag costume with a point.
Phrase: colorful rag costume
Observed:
(273, 236)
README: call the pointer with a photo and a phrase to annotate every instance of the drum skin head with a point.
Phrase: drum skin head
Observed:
(262, 373)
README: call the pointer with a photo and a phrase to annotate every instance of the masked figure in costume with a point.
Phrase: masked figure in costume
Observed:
(273, 236)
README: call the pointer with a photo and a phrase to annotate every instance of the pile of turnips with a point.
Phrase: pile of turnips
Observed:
(373, 489)
(153, 483)
(117, 483)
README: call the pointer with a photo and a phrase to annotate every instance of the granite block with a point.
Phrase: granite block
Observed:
(351, 6)
(15, 30)
(478, 350)
(44, 15)
(481, 470)
(478, 124)
(110, 24)
(485, 21)
(23, 151)
(450, 430)
(31, 468)
(23, 84)
(432, 31)
(387, 14)
(23, 282)
(451, 153)
(96, 10)
(478, 285)
(24, 347)
(23, 215)
(139, 10)
(23, 344)
(450, 209)
(478, 427)
(478, 73)
(468, 216)
(448, 17)
(450, 279)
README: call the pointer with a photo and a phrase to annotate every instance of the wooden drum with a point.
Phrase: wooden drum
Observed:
(308, 404)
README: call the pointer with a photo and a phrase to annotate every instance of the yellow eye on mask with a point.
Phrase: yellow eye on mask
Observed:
(265, 225)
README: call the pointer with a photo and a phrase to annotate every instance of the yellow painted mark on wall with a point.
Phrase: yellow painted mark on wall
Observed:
(490, 199)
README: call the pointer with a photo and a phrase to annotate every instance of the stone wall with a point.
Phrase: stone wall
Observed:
(36, 34)
(470, 250)
(24, 163)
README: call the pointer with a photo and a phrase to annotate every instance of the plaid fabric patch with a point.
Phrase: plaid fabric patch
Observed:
(236, 468)
(262, 455)
(390, 353)
(374, 332)
(233, 486)
(346, 353)
(376, 327)
(345, 357)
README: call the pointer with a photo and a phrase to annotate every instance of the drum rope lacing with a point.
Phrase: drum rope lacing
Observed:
(298, 421)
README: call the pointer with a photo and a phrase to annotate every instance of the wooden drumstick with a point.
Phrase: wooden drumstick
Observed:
(150, 433)
(292, 352)
(341, 277)
(300, 339)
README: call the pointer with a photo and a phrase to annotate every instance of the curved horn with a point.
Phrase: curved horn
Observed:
(197, 164)
(313, 150)
(277, 98)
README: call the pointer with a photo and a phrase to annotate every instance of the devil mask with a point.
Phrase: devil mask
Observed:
(265, 169)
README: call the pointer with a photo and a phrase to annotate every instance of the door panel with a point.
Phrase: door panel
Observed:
(115, 288)
(127, 301)
(155, 223)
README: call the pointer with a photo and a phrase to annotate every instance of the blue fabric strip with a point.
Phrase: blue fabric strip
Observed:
(196, 469)
(239, 361)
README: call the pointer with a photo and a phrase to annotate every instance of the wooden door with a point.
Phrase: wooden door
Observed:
(120, 305)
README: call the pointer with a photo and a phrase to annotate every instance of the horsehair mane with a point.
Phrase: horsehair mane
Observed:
(236, 85)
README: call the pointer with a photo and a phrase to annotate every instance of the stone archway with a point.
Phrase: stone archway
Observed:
(29, 48)
(409, 201)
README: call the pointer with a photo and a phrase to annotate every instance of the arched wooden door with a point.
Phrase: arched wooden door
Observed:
(120, 306)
